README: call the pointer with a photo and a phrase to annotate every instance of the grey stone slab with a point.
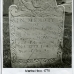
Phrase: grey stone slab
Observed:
(36, 3)
(36, 34)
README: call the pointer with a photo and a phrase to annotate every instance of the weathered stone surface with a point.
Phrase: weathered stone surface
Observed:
(36, 33)
(26, 2)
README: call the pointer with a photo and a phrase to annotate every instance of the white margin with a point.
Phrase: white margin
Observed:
(1, 32)
(72, 36)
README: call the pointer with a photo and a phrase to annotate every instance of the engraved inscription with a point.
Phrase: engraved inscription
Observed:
(33, 35)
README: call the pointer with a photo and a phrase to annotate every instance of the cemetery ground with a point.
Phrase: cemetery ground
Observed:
(67, 45)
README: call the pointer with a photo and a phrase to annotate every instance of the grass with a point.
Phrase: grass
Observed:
(67, 47)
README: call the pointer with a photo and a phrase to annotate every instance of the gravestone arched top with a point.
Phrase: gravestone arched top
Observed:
(35, 4)
(36, 8)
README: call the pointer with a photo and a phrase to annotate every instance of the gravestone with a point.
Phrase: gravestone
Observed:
(36, 33)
